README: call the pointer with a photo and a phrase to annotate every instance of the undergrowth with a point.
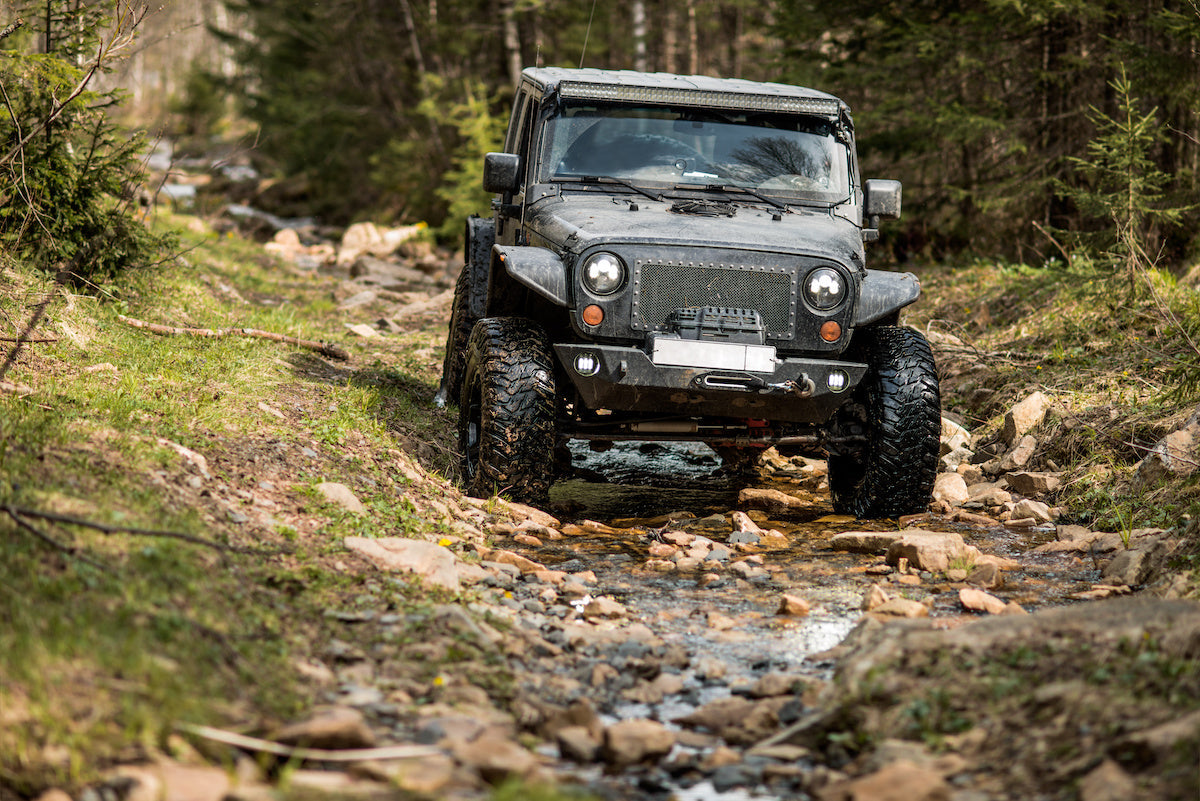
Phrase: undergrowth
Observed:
(1122, 370)
(113, 637)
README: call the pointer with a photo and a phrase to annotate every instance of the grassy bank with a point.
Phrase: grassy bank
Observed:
(209, 559)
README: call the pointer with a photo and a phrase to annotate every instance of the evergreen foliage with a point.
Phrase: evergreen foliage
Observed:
(67, 173)
(1120, 184)
(982, 107)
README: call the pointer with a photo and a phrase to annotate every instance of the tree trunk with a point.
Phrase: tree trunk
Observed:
(639, 35)
(512, 41)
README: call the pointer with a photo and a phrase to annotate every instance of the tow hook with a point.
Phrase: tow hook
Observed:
(803, 388)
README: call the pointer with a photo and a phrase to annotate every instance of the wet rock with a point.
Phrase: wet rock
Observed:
(863, 541)
(1024, 417)
(604, 608)
(341, 495)
(522, 512)
(771, 500)
(1033, 509)
(979, 601)
(988, 494)
(792, 606)
(747, 571)
(332, 728)
(428, 776)
(951, 488)
(986, 576)
(710, 669)
(662, 550)
(899, 781)
(430, 561)
(1068, 533)
(631, 742)
(776, 684)
(494, 757)
(521, 563)
(578, 743)
(874, 597)
(1033, 484)
(901, 607)
(932, 551)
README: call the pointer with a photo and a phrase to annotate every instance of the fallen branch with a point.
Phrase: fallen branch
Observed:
(18, 517)
(312, 754)
(324, 348)
(108, 529)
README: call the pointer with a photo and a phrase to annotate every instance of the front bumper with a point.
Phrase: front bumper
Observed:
(626, 379)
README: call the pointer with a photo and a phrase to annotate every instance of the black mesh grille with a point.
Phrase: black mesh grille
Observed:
(662, 288)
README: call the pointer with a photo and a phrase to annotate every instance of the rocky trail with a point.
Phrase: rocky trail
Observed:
(662, 630)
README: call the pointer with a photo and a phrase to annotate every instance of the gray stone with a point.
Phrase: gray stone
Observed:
(1020, 455)
(932, 551)
(950, 488)
(863, 541)
(430, 561)
(1033, 484)
(341, 495)
(1024, 416)
(630, 742)
(333, 728)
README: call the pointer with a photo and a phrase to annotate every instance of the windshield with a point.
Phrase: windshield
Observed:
(787, 156)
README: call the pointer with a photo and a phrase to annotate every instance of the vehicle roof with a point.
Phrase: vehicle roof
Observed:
(548, 78)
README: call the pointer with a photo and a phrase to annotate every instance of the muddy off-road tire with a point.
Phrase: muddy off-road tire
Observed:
(470, 301)
(899, 410)
(506, 430)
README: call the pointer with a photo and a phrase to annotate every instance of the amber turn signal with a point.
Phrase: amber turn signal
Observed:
(593, 315)
(830, 331)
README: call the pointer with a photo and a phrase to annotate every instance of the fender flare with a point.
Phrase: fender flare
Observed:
(884, 293)
(538, 269)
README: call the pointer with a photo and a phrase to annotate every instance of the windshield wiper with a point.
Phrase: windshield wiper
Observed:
(734, 189)
(607, 179)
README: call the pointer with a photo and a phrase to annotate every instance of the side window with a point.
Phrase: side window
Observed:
(511, 139)
(525, 133)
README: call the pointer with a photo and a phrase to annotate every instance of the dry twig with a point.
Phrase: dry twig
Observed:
(311, 754)
(324, 348)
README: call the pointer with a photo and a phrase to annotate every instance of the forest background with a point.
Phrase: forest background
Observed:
(1005, 119)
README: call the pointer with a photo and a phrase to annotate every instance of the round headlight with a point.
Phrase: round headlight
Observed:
(824, 288)
(603, 273)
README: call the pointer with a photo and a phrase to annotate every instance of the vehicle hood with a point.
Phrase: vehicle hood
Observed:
(574, 223)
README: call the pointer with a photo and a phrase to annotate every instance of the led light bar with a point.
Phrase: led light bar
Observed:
(698, 97)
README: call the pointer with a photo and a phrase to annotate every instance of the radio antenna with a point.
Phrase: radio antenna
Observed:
(587, 34)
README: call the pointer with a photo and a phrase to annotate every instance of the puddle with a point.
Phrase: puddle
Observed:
(748, 638)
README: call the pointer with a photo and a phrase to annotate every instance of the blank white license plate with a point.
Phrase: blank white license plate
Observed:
(713, 355)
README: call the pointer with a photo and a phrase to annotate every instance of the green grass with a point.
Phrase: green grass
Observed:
(112, 639)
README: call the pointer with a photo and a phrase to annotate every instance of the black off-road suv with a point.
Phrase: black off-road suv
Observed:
(681, 258)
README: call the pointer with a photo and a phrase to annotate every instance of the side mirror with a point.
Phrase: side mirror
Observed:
(501, 173)
(881, 199)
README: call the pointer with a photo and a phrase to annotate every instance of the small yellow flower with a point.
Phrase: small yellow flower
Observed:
(439, 681)
(445, 542)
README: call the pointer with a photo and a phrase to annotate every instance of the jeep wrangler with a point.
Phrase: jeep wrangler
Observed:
(681, 258)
